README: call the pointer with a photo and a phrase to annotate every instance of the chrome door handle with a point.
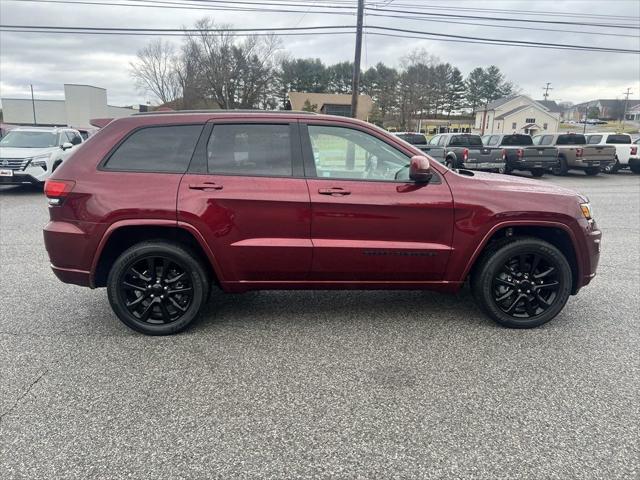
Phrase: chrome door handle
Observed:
(205, 186)
(335, 191)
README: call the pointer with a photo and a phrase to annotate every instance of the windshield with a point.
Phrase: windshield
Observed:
(26, 139)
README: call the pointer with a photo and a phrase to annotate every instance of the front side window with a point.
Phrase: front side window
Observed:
(250, 149)
(351, 154)
(156, 149)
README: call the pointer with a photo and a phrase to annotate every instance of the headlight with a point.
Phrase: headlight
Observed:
(40, 161)
(586, 210)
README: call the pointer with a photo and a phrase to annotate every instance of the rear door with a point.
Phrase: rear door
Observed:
(245, 192)
(370, 223)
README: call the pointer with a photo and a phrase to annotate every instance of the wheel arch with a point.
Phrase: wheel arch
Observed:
(557, 234)
(122, 235)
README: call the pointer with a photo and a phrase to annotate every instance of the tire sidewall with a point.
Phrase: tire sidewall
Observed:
(175, 253)
(496, 260)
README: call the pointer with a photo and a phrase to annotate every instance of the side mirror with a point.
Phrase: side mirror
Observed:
(419, 169)
(66, 145)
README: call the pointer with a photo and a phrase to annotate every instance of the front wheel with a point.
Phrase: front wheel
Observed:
(157, 287)
(522, 283)
(561, 168)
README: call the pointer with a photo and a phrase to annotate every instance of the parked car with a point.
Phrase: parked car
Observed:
(29, 155)
(625, 150)
(465, 150)
(575, 154)
(162, 206)
(417, 139)
(520, 153)
(85, 133)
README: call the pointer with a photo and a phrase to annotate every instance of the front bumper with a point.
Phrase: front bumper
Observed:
(20, 178)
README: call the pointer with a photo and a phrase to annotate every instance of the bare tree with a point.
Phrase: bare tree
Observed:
(155, 71)
(235, 74)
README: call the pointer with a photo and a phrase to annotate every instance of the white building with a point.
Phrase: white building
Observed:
(81, 103)
(519, 114)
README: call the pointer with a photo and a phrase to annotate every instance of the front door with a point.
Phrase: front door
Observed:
(243, 194)
(370, 223)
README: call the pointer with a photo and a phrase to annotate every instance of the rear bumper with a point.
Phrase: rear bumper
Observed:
(591, 163)
(70, 275)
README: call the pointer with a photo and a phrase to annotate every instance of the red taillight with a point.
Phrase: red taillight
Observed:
(57, 190)
(465, 155)
(520, 153)
(634, 150)
(579, 152)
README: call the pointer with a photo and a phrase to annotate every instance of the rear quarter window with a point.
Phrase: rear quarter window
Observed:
(165, 149)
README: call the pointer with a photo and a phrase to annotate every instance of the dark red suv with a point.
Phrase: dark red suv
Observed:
(158, 207)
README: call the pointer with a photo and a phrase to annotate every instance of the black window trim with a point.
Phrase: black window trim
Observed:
(199, 163)
(103, 163)
(310, 164)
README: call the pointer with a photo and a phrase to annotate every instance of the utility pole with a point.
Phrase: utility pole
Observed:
(626, 101)
(355, 86)
(546, 90)
(33, 105)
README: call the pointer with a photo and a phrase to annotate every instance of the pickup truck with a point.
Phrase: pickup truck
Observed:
(575, 154)
(520, 153)
(465, 150)
(625, 150)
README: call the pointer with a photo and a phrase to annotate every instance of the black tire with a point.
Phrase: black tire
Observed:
(635, 168)
(449, 163)
(160, 315)
(537, 172)
(592, 171)
(518, 297)
(612, 167)
(562, 168)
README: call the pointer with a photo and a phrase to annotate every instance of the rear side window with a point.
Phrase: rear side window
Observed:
(250, 149)
(516, 140)
(156, 149)
(622, 139)
(594, 139)
(571, 140)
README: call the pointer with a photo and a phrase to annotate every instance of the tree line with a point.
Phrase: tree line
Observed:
(213, 67)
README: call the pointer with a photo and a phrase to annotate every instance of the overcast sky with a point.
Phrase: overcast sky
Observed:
(49, 60)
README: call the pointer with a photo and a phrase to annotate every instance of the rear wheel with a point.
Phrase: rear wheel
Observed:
(537, 172)
(592, 171)
(449, 163)
(635, 168)
(561, 168)
(612, 167)
(157, 287)
(522, 283)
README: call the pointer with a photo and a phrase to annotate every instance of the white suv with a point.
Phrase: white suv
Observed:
(625, 150)
(28, 155)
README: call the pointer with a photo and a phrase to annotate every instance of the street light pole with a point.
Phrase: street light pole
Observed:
(33, 106)
(355, 86)
(626, 101)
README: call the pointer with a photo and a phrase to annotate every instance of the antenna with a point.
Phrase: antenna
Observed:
(546, 90)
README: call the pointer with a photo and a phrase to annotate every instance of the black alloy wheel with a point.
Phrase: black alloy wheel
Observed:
(522, 282)
(526, 285)
(157, 287)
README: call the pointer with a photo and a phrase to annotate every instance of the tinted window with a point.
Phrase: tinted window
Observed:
(571, 139)
(250, 150)
(493, 141)
(546, 140)
(516, 140)
(156, 149)
(594, 139)
(619, 139)
(474, 140)
(414, 138)
(350, 154)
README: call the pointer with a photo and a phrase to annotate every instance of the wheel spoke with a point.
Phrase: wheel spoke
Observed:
(134, 286)
(136, 302)
(504, 282)
(177, 305)
(504, 296)
(531, 311)
(179, 290)
(542, 301)
(176, 278)
(140, 275)
(515, 302)
(147, 310)
(547, 285)
(547, 272)
(165, 313)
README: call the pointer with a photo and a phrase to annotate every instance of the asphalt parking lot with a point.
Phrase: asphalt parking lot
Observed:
(321, 384)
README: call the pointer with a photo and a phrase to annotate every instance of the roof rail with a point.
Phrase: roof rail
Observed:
(176, 112)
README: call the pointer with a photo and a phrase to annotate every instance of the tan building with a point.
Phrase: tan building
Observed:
(519, 114)
(331, 103)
